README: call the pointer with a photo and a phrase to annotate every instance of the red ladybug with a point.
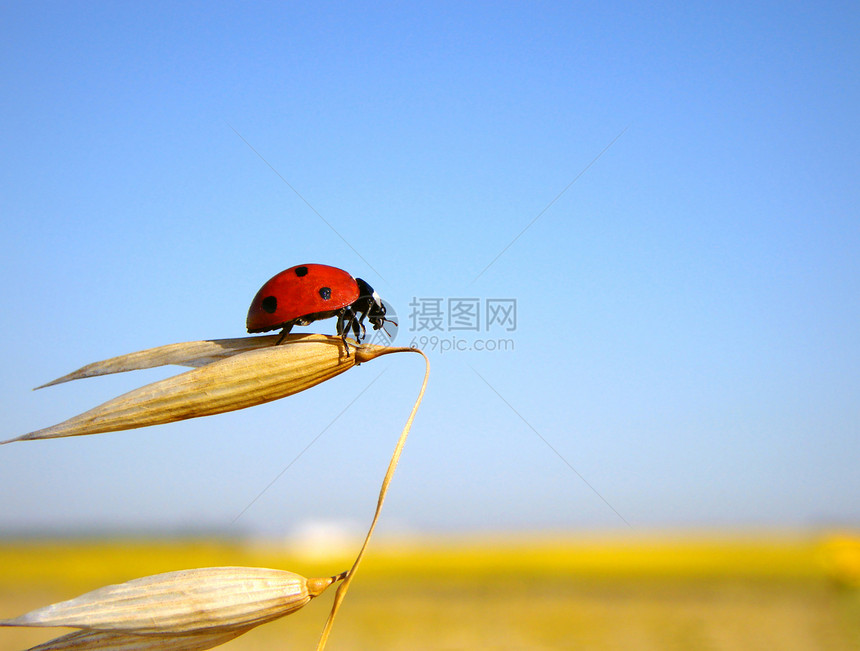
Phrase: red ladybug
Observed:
(309, 292)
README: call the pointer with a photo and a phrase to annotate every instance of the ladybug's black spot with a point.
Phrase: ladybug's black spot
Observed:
(270, 304)
(301, 271)
(325, 292)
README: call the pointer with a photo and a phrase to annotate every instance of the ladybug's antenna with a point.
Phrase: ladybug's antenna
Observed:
(383, 326)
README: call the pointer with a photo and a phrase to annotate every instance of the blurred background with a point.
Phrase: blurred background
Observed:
(626, 236)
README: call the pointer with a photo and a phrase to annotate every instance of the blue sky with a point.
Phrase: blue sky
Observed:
(687, 310)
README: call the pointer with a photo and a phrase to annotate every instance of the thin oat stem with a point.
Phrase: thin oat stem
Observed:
(392, 465)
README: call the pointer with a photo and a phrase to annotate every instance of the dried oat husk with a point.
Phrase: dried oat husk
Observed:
(208, 600)
(246, 375)
(189, 353)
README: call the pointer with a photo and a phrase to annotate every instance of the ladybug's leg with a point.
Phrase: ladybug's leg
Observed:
(358, 328)
(284, 332)
(345, 320)
(361, 324)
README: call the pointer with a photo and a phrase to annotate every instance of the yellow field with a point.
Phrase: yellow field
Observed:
(697, 593)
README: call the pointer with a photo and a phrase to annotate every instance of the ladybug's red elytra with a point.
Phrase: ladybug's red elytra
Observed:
(310, 292)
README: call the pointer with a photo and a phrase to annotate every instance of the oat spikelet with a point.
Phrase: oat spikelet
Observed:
(241, 380)
(189, 353)
(208, 600)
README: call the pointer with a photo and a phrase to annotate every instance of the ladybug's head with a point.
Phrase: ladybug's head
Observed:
(371, 304)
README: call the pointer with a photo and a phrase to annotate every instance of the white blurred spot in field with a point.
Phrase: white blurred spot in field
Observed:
(326, 539)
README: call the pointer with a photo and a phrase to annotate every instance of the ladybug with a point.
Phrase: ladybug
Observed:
(310, 292)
